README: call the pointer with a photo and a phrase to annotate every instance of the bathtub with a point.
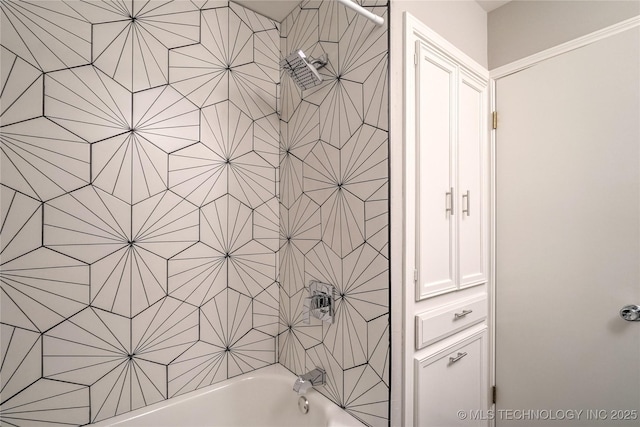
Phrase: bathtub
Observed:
(262, 398)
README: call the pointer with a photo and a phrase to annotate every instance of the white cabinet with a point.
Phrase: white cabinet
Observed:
(451, 176)
(451, 383)
(446, 185)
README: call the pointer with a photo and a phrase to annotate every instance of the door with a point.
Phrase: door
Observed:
(568, 238)
(470, 189)
(436, 80)
(451, 380)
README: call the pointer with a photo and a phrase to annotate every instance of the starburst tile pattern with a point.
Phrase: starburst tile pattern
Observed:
(48, 403)
(300, 231)
(133, 46)
(95, 348)
(123, 361)
(265, 224)
(138, 203)
(224, 64)
(42, 288)
(128, 246)
(164, 331)
(265, 139)
(42, 159)
(21, 219)
(22, 367)
(265, 310)
(20, 89)
(301, 133)
(226, 324)
(334, 199)
(47, 35)
(167, 192)
(87, 102)
(227, 226)
(198, 174)
(165, 118)
(365, 395)
(290, 178)
(296, 336)
(129, 167)
(201, 365)
(197, 274)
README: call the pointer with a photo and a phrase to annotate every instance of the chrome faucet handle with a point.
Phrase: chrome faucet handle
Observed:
(320, 303)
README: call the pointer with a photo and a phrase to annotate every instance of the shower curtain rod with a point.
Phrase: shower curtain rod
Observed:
(378, 20)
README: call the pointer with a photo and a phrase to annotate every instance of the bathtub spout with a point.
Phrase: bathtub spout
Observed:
(313, 378)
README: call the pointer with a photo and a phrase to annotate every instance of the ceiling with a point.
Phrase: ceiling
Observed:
(280, 9)
(489, 5)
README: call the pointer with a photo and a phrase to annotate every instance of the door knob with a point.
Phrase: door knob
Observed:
(630, 313)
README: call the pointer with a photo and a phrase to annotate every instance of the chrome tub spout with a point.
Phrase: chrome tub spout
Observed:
(313, 378)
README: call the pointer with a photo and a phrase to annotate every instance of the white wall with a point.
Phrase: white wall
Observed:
(464, 24)
(522, 28)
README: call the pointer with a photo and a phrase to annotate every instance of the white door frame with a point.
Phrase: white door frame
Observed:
(496, 74)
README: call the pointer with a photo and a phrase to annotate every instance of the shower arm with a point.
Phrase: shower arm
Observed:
(378, 20)
(319, 62)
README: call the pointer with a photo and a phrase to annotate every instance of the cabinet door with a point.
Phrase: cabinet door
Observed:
(435, 136)
(453, 380)
(471, 211)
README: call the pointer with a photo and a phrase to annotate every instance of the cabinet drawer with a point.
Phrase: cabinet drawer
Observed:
(436, 324)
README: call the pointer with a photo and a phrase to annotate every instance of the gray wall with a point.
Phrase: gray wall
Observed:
(463, 23)
(522, 28)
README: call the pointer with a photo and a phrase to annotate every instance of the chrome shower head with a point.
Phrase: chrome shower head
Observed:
(303, 70)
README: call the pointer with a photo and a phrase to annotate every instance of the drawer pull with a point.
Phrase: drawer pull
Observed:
(462, 314)
(458, 357)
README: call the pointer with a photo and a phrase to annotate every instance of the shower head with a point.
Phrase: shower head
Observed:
(303, 70)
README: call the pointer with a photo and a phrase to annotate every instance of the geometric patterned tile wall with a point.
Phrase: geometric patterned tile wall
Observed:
(139, 221)
(159, 218)
(334, 204)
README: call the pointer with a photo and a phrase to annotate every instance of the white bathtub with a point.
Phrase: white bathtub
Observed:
(262, 398)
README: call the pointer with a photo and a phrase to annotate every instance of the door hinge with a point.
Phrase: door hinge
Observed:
(415, 275)
(494, 120)
(493, 394)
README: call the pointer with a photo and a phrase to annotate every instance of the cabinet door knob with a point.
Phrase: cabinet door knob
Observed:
(460, 355)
